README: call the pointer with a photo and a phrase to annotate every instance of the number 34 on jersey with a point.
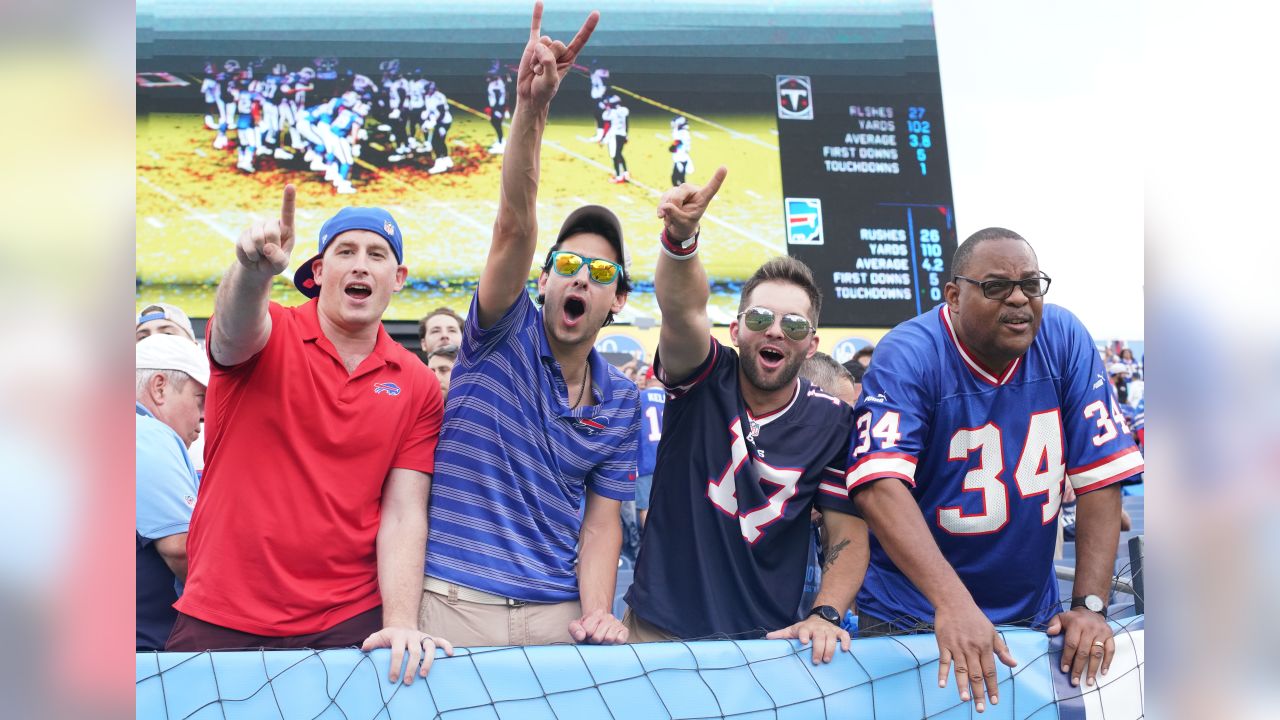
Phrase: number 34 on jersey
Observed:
(1039, 470)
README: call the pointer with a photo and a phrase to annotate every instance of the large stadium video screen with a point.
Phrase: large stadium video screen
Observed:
(828, 115)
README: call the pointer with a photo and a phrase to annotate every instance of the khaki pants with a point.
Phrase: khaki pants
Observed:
(466, 623)
(642, 631)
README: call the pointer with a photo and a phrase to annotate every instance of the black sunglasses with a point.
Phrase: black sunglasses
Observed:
(1002, 289)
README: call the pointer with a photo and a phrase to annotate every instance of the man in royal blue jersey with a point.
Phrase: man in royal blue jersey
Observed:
(976, 412)
(538, 426)
(653, 402)
(747, 449)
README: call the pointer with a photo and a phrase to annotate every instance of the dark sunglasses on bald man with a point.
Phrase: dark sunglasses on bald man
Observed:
(599, 270)
(1002, 289)
(759, 319)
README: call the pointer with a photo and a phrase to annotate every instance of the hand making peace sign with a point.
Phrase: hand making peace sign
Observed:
(545, 62)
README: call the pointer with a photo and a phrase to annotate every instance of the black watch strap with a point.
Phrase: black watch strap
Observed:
(828, 613)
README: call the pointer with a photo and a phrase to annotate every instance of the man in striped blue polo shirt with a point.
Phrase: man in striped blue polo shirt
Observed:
(537, 423)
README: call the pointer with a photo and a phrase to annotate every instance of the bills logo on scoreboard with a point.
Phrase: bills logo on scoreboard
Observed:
(804, 221)
(795, 97)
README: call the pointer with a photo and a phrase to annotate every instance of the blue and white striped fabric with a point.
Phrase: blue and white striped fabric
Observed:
(514, 461)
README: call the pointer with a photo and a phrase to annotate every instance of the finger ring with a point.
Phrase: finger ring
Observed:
(1099, 643)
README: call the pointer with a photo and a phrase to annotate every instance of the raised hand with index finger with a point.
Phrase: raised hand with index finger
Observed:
(681, 208)
(264, 248)
(545, 62)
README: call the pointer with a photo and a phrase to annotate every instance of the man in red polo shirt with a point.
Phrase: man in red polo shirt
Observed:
(321, 439)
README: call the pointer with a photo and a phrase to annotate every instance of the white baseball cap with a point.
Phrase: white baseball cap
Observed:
(1117, 369)
(165, 311)
(171, 352)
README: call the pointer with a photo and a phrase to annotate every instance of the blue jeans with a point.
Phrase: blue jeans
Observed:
(630, 532)
(644, 487)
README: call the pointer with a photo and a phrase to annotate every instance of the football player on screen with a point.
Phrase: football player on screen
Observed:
(436, 120)
(248, 114)
(225, 99)
(496, 90)
(313, 125)
(342, 141)
(599, 98)
(681, 141)
(211, 89)
(293, 101)
(266, 88)
(615, 136)
(413, 107)
(972, 417)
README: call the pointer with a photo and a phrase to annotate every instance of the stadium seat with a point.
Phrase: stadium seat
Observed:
(1123, 609)
(1065, 587)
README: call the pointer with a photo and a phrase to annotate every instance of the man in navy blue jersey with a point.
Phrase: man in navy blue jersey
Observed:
(747, 449)
(971, 418)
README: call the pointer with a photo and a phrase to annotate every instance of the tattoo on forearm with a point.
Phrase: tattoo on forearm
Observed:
(833, 552)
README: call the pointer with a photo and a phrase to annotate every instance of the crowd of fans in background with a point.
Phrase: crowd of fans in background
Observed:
(1125, 372)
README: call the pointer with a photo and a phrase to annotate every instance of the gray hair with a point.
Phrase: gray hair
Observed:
(823, 370)
(142, 378)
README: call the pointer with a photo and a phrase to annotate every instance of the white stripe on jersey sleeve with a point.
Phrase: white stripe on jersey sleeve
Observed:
(833, 489)
(832, 482)
(1117, 467)
(873, 467)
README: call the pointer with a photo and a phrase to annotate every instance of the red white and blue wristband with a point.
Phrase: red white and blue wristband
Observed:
(680, 250)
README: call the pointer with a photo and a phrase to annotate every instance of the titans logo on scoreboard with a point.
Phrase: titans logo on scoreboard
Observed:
(795, 97)
(804, 221)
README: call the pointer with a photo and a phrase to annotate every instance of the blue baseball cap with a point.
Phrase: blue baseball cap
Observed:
(351, 218)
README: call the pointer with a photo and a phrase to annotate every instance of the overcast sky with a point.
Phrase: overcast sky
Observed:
(1045, 128)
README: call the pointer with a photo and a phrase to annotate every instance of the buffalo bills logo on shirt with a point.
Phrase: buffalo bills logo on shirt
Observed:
(386, 388)
(591, 426)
